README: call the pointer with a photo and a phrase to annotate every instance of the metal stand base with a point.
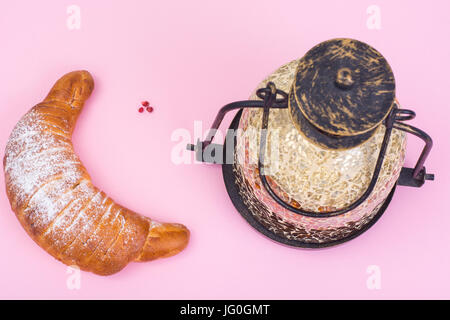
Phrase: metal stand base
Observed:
(233, 192)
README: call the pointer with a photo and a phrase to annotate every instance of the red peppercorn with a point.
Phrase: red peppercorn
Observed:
(145, 103)
(141, 109)
(149, 109)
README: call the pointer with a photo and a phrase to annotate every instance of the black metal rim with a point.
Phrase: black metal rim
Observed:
(233, 192)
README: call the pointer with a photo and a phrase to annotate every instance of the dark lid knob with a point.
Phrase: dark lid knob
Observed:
(344, 78)
(343, 90)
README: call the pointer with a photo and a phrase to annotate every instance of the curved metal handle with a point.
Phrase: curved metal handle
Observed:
(279, 103)
(414, 177)
(410, 177)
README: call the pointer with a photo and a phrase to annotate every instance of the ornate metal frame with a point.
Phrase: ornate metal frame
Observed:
(273, 98)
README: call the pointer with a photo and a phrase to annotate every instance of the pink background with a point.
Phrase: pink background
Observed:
(189, 58)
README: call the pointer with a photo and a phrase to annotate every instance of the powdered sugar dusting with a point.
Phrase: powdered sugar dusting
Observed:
(49, 201)
(83, 223)
(34, 156)
(154, 224)
(61, 231)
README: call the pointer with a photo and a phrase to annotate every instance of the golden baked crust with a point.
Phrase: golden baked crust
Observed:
(54, 199)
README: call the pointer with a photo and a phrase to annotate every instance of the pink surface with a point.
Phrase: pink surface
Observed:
(189, 58)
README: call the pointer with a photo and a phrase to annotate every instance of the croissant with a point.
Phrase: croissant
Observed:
(55, 201)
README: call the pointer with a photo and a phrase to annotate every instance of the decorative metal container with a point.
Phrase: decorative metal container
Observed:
(314, 157)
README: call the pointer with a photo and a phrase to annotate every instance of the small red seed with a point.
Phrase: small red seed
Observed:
(141, 109)
(145, 103)
(150, 109)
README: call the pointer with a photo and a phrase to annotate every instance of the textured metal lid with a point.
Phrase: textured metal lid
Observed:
(342, 92)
